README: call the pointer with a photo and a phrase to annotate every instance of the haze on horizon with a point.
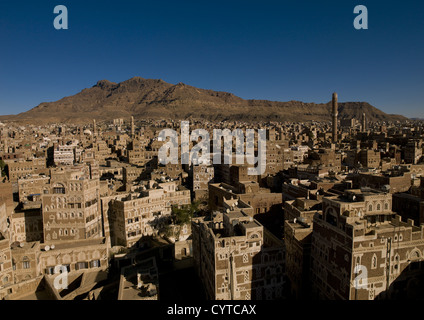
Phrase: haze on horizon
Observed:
(275, 50)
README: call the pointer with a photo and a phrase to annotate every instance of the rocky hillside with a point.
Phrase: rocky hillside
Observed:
(149, 98)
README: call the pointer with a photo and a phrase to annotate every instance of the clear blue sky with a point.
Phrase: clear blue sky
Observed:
(275, 50)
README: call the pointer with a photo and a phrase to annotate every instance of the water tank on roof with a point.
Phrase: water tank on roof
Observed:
(386, 188)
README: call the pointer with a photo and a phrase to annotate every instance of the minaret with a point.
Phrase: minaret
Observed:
(94, 127)
(132, 127)
(364, 123)
(334, 115)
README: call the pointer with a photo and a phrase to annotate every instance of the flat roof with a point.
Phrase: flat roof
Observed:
(75, 243)
(251, 224)
(235, 214)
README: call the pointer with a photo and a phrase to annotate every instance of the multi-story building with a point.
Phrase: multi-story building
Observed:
(76, 256)
(275, 156)
(360, 248)
(369, 158)
(6, 198)
(262, 200)
(19, 169)
(131, 173)
(413, 152)
(26, 225)
(71, 205)
(102, 151)
(31, 186)
(392, 181)
(171, 171)
(63, 154)
(137, 215)
(201, 177)
(25, 260)
(327, 158)
(6, 268)
(237, 258)
(298, 226)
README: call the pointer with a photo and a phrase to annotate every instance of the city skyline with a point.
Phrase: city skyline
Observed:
(201, 157)
(277, 51)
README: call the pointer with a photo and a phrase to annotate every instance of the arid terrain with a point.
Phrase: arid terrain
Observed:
(157, 99)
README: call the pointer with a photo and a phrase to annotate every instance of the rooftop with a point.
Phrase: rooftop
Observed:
(73, 243)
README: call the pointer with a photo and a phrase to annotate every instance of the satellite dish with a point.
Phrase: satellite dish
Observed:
(21, 244)
(52, 246)
(46, 248)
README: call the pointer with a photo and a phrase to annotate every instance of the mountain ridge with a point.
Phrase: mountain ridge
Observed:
(157, 99)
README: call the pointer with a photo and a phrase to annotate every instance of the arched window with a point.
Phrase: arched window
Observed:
(396, 268)
(59, 189)
(374, 262)
(378, 207)
(370, 207)
(415, 255)
(26, 263)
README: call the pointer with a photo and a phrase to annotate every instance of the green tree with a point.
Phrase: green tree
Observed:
(184, 214)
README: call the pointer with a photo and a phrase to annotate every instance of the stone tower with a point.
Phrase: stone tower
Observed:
(364, 122)
(334, 115)
(94, 127)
